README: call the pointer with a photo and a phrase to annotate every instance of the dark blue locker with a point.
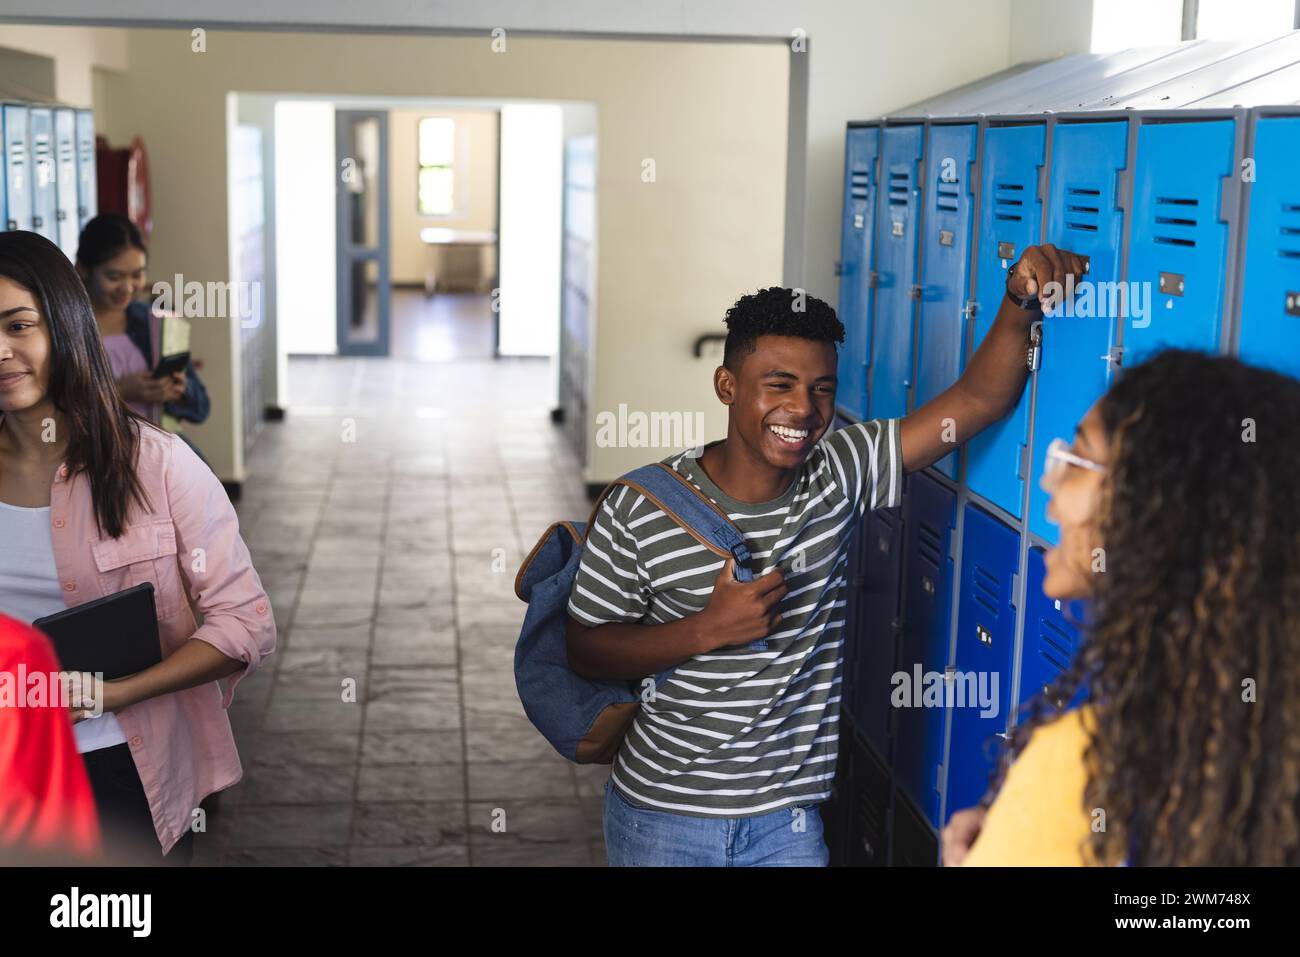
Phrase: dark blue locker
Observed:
(1270, 302)
(17, 167)
(930, 518)
(878, 625)
(1179, 242)
(945, 266)
(65, 165)
(898, 204)
(45, 206)
(87, 184)
(1082, 217)
(986, 635)
(1010, 220)
(860, 151)
(852, 640)
(1050, 637)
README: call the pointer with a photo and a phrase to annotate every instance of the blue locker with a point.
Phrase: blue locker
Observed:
(17, 167)
(890, 375)
(860, 151)
(45, 207)
(1270, 303)
(65, 165)
(945, 266)
(87, 182)
(853, 604)
(878, 624)
(986, 635)
(1050, 638)
(1179, 243)
(930, 517)
(1010, 220)
(1082, 217)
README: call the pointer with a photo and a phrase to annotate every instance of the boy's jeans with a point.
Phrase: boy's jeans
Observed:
(636, 836)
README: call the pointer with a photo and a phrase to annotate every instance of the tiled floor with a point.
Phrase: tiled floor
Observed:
(387, 517)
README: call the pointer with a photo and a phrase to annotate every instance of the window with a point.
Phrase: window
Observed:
(437, 148)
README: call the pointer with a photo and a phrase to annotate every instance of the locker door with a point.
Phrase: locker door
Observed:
(860, 152)
(1050, 637)
(868, 834)
(1010, 219)
(931, 516)
(65, 164)
(878, 625)
(890, 376)
(17, 162)
(1179, 242)
(1270, 304)
(45, 207)
(945, 266)
(835, 810)
(854, 594)
(87, 201)
(914, 842)
(986, 634)
(1081, 216)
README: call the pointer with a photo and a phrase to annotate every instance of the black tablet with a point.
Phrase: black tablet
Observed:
(116, 635)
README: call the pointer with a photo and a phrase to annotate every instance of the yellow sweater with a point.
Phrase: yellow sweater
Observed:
(1038, 818)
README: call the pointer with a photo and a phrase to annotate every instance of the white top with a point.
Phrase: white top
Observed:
(29, 589)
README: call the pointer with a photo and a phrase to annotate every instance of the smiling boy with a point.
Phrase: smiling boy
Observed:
(727, 763)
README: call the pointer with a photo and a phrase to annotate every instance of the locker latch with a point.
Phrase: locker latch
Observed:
(984, 635)
(873, 279)
(1006, 250)
(897, 227)
(1171, 283)
(859, 221)
(1293, 303)
(1034, 354)
(945, 237)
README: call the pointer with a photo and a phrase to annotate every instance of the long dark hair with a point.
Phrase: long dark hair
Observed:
(1191, 648)
(105, 236)
(103, 434)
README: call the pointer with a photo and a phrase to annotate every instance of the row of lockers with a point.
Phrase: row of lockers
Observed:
(49, 171)
(1202, 208)
(1174, 207)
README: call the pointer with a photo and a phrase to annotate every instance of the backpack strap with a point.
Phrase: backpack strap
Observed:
(688, 507)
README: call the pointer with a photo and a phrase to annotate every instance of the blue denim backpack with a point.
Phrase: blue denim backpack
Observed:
(586, 720)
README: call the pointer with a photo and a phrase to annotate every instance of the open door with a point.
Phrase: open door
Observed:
(361, 138)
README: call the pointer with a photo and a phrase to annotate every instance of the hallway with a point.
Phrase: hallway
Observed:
(390, 563)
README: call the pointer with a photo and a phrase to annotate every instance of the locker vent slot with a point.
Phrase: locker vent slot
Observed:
(1008, 201)
(1082, 208)
(1170, 223)
(1290, 228)
(859, 181)
(928, 541)
(899, 188)
(947, 197)
(1055, 646)
(987, 590)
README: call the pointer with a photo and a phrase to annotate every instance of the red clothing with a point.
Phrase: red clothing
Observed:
(46, 804)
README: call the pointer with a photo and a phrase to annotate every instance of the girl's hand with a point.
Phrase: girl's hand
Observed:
(142, 387)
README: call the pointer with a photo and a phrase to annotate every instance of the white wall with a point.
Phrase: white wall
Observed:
(305, 220)
(532, 184)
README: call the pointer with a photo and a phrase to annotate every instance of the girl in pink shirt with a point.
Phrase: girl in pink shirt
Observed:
(109, 501)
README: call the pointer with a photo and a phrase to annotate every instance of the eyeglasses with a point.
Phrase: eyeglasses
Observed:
(1059, 459)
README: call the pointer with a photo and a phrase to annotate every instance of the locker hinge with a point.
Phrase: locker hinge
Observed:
(1123, 189)
(920, 175)
(952, 547)
(915, 293)
(1042, 184)
(1023, 467)
(839, 267)
(1114, 357)
(1229, 187)
(873, 279)
(971, 307)
(1015, 580)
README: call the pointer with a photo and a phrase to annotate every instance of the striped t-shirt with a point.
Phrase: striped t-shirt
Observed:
(740, 732)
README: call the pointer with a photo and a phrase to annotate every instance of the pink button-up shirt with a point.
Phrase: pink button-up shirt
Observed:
(186, 544)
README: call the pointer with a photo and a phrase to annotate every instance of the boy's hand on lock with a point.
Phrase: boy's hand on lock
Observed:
(741, 612)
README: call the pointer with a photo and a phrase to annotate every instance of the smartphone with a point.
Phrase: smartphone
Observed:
(171, 364)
